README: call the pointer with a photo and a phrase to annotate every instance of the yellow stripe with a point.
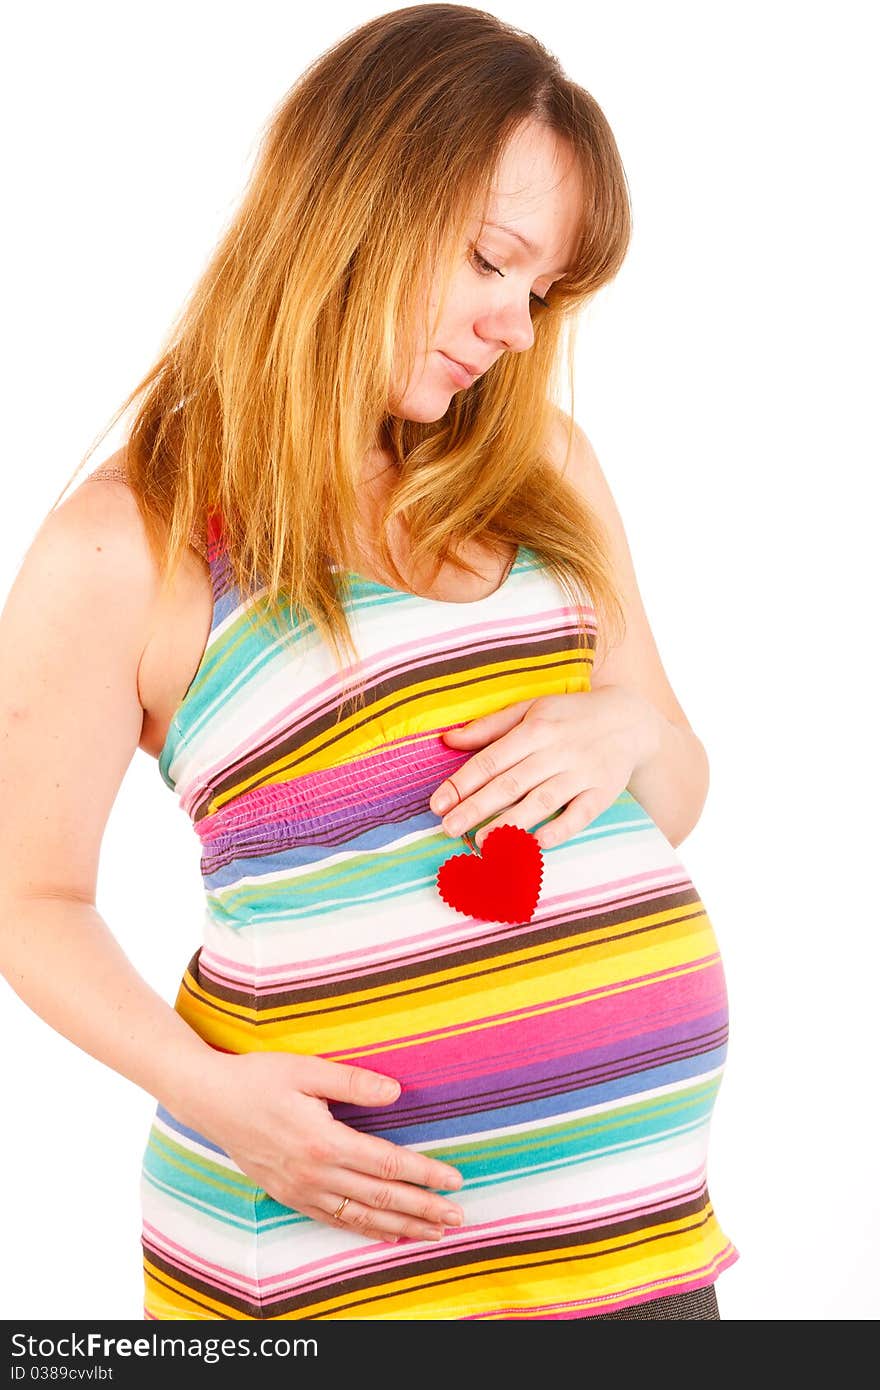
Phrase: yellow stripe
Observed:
(426, 707)
(522, 987)
(167, 1298)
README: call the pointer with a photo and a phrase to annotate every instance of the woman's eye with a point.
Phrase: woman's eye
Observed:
(485, 266)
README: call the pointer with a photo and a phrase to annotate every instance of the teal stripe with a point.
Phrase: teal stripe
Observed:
(197, 1182)
(369, 878)
(483, 1164)
(231, 662)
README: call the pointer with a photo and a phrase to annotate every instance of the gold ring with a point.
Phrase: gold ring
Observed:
(341, 1208)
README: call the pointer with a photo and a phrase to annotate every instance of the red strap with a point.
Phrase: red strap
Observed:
(214, 526)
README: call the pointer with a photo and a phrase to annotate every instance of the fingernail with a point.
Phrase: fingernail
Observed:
(453, 1180)
(389, 1090)
(452, 1218)
(442, 800)
(453, 824)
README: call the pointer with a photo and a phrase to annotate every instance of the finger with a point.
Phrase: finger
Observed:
(339, 1081)
(492, 725)
(381, 1159)
(504, 786)
(542, 801)
(374, 1221)
(398, 1199)
(584, 808)
(324, 1214)
(488, 729)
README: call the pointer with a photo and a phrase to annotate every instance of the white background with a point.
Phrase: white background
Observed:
(724, 380)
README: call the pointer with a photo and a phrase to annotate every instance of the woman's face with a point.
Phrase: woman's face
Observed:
(488, 307)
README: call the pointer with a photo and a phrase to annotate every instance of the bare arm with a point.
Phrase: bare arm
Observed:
(72, 633)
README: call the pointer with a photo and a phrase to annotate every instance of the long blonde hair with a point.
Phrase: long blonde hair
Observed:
(273, 384)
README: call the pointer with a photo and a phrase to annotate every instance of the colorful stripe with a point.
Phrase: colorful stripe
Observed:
(567, 1066)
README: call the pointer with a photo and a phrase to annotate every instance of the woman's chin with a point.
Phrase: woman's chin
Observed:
(424, 412)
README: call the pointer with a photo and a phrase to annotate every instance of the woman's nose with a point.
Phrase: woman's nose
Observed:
(513, 325)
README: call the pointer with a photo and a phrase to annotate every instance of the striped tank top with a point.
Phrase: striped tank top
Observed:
(567, 1065)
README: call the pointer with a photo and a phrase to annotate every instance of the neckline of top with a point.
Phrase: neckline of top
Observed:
(426, 598)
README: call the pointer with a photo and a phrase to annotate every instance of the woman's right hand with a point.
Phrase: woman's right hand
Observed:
(268, 1111)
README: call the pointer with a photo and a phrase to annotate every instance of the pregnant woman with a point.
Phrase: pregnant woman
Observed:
(451, 1043)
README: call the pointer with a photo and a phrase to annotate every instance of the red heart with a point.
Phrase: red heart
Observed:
(501, 886)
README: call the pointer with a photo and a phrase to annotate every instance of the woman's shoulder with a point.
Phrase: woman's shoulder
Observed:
(99, 528)
(104, 509)
(83, 601)
(112, 472)
(101, 524)
(566, 445)
(571, 452)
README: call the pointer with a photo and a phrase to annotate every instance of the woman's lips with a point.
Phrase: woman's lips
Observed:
(460, 374)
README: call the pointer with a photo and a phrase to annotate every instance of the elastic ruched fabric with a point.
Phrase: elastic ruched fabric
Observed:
(699, 1304)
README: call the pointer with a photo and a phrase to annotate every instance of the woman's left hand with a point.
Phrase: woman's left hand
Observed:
(576, 751)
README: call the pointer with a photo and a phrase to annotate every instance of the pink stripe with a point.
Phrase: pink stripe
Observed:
(562, 1033)
(329, 790)
(494, 1020)
(185, 1258)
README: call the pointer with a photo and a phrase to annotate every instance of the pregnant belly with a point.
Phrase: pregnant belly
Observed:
(602, 1019)
(567, 1066)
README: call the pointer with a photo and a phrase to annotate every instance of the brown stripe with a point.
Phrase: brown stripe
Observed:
(444, 1265)
(394, 680)
(196, 1286)
(436, 1264)
(470, 959)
